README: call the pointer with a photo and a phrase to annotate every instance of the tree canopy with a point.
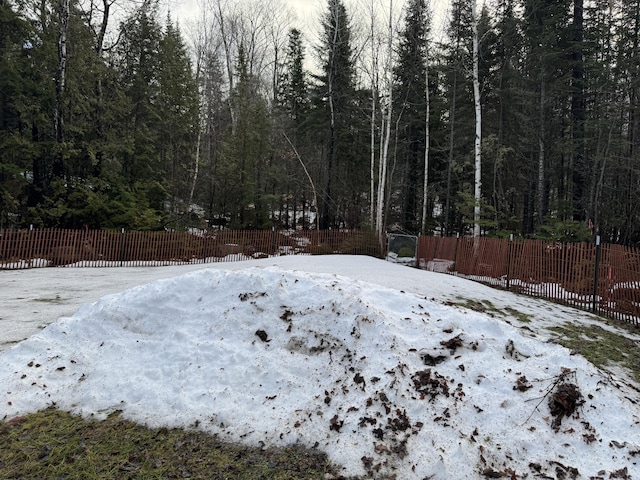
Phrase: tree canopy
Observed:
(136, 125)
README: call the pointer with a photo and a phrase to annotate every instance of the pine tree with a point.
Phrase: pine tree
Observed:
(579, 166)
(17, 152)
(143, 195)
(545, 40)
(246, 153)
(293, 96)
(293, 107)
(623, 188)
(336, 94)
(504, 113)
(177, 107)
(410, 77)
(215, 117)
(458, 88)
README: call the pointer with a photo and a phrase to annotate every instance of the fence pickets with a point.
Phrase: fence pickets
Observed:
(602, 278)
(97, 248)
(564, 273)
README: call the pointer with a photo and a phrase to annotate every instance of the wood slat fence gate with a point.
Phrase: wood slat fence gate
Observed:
(602, 278)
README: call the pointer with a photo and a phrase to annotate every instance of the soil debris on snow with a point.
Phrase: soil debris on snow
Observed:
(563, 403)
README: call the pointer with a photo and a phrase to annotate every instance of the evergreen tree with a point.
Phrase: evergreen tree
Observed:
(177, 108)
(246, 153)
(458, 89)
(602, 107)
(17, 152)
(293, 107)
(343, 170)
(143, 194)
(64, 188)
(545, 43)
(40, 54)
(505, 182)
(410, 96)
(214, 117)
(293, 95)
(623, 222)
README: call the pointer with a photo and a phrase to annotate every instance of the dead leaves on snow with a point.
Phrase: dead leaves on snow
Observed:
(563, 402)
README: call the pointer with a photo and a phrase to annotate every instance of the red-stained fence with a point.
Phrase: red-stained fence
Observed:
(99, 248)
(601, 278)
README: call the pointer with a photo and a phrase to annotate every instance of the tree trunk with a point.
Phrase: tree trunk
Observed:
(385, 151)
(196, 164)
(478, 136)
(540, 193)
(578, 114)
(425, 184)
(229, 61)
(58, 167)
(452, 119)
(374, 94)
(326, 219)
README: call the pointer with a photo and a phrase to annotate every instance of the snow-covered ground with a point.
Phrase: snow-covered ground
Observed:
(371, 362)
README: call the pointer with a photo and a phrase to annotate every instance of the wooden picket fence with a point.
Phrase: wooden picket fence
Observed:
(48, 247)
(602, 278)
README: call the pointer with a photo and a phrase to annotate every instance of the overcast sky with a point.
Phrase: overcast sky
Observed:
(308, 11)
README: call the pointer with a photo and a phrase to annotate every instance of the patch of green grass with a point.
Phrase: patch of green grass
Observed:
(485, 306)
(56, 444)
(520, 316)
(601, 347)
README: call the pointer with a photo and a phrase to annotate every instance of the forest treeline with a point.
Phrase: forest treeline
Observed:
(115, 116)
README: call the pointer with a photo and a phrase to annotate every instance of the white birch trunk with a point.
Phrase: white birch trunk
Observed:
(229, 61)
(425, 185)
(327, 218)
(385, 149)
(62, 68)
(478, 136)
(373, 155)
(541, 156)
(374, 91)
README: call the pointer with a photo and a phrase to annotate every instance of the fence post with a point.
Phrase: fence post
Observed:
(455, 253)
(122, 247)
(595, 276)
(509, 261)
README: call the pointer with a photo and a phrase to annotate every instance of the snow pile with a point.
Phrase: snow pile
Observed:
(388, 383)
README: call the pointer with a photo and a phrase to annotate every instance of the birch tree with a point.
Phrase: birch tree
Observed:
(427, 145)
(374, 46)
(478, 136)
(61, 75)
(382, 178)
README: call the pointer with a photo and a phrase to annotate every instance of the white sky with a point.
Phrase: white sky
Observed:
(326, 349)
(308, 11)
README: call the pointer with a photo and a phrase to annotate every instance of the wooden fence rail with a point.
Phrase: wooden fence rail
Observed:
(601, 278)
